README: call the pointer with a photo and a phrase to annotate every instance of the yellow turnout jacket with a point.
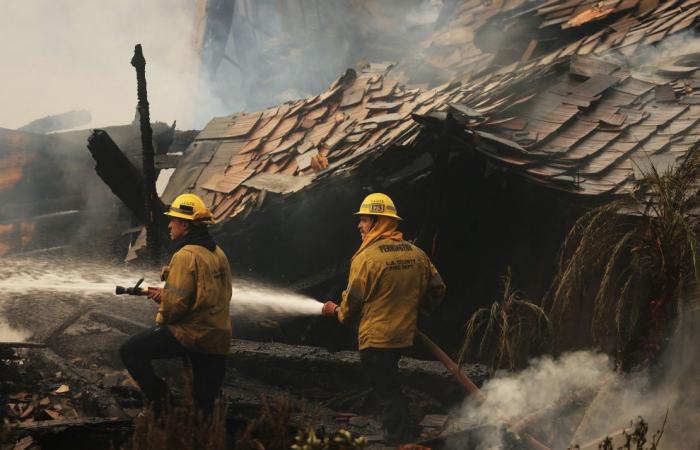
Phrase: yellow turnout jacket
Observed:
(195, 300)
(389, 281)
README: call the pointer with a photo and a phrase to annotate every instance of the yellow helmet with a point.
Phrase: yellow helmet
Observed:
(190, 207)
(378, 205)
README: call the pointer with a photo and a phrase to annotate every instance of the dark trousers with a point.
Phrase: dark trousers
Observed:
(159, 343)
(381, 368)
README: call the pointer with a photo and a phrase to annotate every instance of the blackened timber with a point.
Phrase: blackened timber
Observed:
(107, 423)
(285, 365)
(117, 172)
(4, 345)
(149, 171)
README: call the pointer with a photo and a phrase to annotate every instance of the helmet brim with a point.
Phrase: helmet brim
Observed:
(363, 213)
(178, 215)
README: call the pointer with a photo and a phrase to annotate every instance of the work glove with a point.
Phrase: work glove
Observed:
(330, 309)
(154, 294)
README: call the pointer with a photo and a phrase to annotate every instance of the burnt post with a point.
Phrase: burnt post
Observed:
(149, 171)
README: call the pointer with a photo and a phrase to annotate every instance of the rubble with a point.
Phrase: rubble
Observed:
(45, 399)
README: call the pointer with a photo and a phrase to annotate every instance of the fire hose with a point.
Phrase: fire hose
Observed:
(468, 384)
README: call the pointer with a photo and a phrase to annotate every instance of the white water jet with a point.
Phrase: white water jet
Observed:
(252, 298)
(25, 276)
(83, 279)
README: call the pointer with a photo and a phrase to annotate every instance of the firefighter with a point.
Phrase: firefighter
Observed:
(193, 315)
(390, 280)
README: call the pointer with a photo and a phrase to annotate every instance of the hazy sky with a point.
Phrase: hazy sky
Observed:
(61, 55)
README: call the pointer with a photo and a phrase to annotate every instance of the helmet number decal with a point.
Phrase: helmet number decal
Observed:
(376, 207)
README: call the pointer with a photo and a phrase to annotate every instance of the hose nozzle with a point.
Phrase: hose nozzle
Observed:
(135, 290)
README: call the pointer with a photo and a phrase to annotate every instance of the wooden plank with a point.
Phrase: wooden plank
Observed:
(527, 54)
(216, 128)
(242, 126)
(228, 182)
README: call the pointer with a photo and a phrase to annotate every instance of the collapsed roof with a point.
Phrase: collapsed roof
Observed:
(588, 118)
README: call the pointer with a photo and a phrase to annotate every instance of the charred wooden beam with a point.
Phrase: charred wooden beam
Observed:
(87, 422)
(117, 172)
(150, 196)
(22, 345)
(167, 161)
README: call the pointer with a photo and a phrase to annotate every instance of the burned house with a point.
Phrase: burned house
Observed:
(489, 170)
(511, 120)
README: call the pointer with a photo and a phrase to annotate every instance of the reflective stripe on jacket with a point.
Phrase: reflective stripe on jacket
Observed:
(196, 297)
(389, 282)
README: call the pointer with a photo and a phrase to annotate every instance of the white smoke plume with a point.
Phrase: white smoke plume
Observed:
(609, 401)
(63, 55)
(648, 62)
(545, 381)
(651, 57)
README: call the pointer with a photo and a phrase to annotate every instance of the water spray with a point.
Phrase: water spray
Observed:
(84, 279)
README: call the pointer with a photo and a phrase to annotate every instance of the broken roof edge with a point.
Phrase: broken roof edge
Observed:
(357, 113)
(333, 89)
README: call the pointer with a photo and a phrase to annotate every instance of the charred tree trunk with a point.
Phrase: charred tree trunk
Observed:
(149, 173)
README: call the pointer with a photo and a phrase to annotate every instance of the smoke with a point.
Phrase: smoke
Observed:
(544, 382)
(66, 55)
(286, 50)
(70, 54)
(647, 62)
(653, 57)
(594, 400)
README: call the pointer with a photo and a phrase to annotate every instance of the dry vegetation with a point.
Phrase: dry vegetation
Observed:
(506, 334)
(636, 439)
(271, 430)
(181, 428)
(635, 256)
(629, 262)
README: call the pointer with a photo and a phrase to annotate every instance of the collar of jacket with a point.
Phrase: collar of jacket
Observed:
(197, 236)
(385, 228)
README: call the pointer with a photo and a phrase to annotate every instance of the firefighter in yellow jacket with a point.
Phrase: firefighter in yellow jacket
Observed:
(390, 281)
(193, 316)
